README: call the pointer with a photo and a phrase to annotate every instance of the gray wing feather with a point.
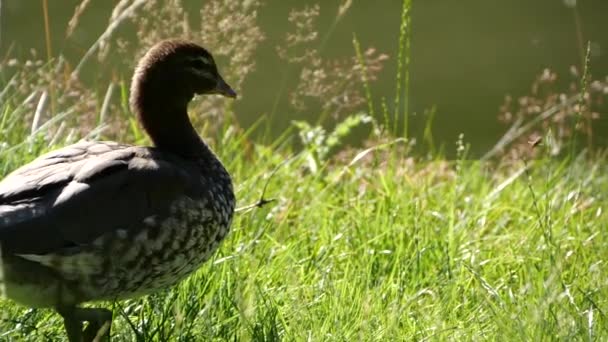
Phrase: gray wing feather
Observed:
(76, 194)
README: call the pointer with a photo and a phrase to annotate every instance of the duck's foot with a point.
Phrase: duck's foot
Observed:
(98, 329)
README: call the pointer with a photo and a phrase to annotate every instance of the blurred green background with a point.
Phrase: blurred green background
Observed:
(465, 55)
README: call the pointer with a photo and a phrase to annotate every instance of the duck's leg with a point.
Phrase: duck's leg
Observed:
(98, 329)
(73, 327)
(100, 322)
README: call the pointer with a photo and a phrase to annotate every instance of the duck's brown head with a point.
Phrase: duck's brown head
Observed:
(176, 70)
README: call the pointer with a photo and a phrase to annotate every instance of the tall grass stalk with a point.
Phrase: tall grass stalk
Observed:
(361, 60)
(47, 30)
(403, 61)
(49, 47)
(580, 100)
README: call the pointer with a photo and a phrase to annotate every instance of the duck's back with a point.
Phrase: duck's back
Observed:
(109, 220)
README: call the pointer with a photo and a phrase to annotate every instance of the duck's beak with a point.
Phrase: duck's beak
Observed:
(223, 88)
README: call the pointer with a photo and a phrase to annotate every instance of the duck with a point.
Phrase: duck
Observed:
(101, 220)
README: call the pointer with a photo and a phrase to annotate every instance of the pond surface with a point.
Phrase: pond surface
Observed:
(465, 55)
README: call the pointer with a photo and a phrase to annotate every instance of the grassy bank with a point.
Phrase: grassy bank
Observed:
(376, 245)
(346, 244)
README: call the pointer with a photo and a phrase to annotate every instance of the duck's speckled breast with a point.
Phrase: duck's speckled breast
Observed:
(159, 253)
(162, 253)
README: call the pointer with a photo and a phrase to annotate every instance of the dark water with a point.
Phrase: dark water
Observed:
(465, 55)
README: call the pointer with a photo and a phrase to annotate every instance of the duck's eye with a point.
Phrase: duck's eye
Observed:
(197, 64)
(200, 63)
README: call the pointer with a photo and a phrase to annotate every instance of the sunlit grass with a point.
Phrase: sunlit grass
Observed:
(366, 244)
(378, 247)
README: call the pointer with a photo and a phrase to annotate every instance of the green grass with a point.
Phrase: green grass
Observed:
(375, 245)
(380, 248)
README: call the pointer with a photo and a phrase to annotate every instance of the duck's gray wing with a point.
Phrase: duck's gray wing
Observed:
(73, 195)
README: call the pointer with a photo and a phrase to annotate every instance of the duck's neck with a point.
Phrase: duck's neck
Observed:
(165, 118)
